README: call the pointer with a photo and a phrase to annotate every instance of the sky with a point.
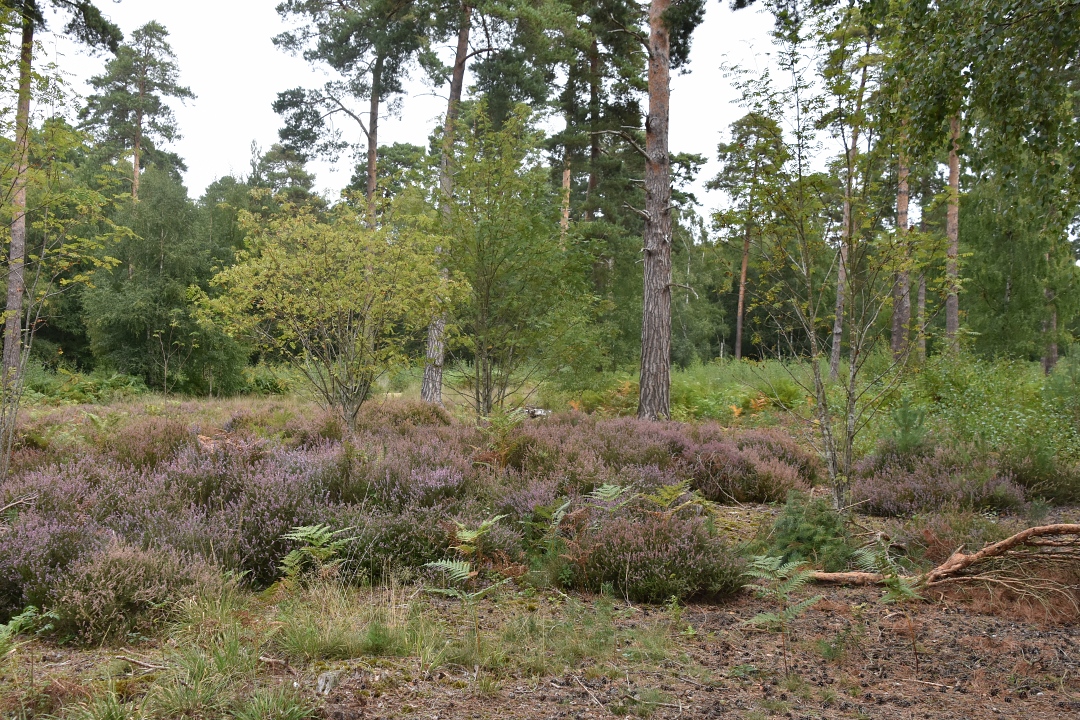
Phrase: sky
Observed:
(225, 55)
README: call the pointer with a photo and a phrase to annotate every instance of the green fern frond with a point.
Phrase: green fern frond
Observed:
(457, 571)
(668, 495)
(609, 493)
(793, 611)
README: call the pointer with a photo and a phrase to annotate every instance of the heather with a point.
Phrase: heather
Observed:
(146, 497)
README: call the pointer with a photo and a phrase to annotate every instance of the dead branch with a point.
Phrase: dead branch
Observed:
(849, 578)
(1064, 538)
(140, 663)
(959, 562)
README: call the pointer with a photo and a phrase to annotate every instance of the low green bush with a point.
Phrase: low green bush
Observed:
(809, 530)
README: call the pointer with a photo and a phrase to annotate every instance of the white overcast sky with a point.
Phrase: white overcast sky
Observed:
(226, 57)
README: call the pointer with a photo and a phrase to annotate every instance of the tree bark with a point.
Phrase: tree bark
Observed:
(564, 221)
(135, 156)
(901, 320)
(373, 136)
(594, 127)
(952, 232)
(846, 235)
(921, 340)
(435, 356)
(1050, 355)
(655, 387)
(16, 281)
(742, 293)
(959, 562)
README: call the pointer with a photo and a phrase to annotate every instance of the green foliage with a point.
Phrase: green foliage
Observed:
(65, 386)
(876, 558)
(469, 539)
(780, 580)
(140, 315)
(517, 323)
(909, 434)
(317, 556)
(338, 299)
(1004, 406)
(810, 530)
(17, 625)
(128, 110)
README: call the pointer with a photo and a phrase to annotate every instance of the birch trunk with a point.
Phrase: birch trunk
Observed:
(435, 356)
(846, 234)
(16, 281)
(901, 320)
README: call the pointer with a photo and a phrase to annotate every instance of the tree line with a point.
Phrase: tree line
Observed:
(903, 181)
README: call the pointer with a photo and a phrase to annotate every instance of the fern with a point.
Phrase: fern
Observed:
(457, 571)
(668, 495)
(469, 539)
(899, 588)
(609, 494)
(316, 555)
(876, 558)
(780, 581)
(16, 626)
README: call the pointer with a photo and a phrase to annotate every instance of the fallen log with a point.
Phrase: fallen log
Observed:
(953, 569)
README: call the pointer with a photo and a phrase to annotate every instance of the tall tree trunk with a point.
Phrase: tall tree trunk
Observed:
(847, 235)
(901, 320)
(1050, 355)
(564, 221)
(594, 127)
(373, 136)
(655, 398)
(435, 356)
(742, 293)
(16, 281)
(952, 233)
(136, 156)
(136, 146)
(921, 320)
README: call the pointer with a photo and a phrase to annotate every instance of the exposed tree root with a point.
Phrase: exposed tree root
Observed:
(1026, 547)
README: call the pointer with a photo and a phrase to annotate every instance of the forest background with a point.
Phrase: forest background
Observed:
(900, 186)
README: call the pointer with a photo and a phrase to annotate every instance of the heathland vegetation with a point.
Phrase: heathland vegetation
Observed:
(513, 426)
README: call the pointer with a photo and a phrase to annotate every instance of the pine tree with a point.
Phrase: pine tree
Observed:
(129, 109)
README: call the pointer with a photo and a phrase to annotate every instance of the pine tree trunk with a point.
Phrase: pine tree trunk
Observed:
(435, 356)
(373, 136)
(594, 127)
(742, 293)
(655, 398)
(136, 146)
(952, 233)
(16, 281)
(901, 320)
(564, 221)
